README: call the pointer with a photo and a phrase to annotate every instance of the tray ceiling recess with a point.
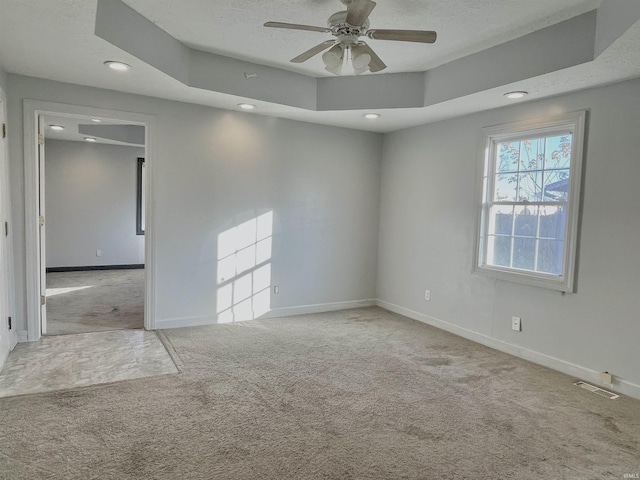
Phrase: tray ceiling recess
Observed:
(570, 43)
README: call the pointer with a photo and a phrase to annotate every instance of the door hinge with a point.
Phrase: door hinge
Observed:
(43, 299)
(41, 220)
(4, 130)
(9, 323)
(40, 139)
(6, 229)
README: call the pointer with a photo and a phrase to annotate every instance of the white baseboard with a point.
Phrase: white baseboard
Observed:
(620, 386)
(318, 308)
(273, 313)
(184, 322)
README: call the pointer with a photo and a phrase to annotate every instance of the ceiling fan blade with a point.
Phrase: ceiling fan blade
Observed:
(422, 36)
(313, 51)
(358, 11)
(376, 64)
(295, 26)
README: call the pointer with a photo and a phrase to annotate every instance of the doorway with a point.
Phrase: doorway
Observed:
(92, 245)
(84, 260)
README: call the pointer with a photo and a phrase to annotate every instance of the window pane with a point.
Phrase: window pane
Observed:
(558, 151)
(505, 187)
(552, 222)
(501, 220)
(508, 157)
(526, 224)
(530, 186)
(556, 185)
(550, 256)
(500, 251)
(529, 154)
(524, 253)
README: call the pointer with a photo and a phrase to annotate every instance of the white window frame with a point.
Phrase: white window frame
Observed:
(570, 122)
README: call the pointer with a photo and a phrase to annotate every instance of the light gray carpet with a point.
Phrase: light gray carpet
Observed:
(360, 394)
(114, 301)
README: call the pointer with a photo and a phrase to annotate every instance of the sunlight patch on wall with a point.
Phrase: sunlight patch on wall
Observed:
(52, 292)
(244, 270)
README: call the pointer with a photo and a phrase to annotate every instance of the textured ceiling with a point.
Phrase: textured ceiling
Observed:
(55, 39)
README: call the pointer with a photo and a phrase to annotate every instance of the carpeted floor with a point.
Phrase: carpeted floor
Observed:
(360, 394)
(94, 301)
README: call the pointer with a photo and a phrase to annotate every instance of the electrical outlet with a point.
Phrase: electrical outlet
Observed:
(607, 378)
(98, 253)
(515, 324)
(276, 289)
(427, 295)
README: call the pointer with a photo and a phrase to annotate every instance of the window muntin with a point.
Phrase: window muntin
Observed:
(530, 195)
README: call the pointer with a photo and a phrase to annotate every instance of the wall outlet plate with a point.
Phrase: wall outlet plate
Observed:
(606, 377)
(516, 324)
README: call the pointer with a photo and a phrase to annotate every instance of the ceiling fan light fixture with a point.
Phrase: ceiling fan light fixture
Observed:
(336, 71)
(515, 95)
(360, 59)
(371, 116)
(333, 57)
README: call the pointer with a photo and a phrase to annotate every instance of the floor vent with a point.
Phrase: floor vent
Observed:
(597, 390)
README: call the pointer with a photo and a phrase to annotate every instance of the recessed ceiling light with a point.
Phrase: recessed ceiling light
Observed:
(90, 139)
(246, 106)
(97, 120)
(371, 116)
(514, 95)
(117, 66)
(57, 128)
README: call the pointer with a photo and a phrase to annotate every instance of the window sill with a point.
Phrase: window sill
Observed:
(551, 282)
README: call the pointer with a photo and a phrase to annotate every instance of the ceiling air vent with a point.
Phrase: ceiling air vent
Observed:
(597, 390)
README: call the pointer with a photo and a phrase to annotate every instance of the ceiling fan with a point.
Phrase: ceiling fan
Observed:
(348, 26)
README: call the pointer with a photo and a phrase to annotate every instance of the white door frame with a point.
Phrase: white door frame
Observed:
(8, 337)
(32, 109)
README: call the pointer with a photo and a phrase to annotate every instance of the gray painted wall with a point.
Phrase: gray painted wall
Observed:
(91, 204)
(429, 205)
(216, 169)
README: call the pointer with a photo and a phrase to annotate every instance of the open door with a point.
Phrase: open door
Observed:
(41, 209)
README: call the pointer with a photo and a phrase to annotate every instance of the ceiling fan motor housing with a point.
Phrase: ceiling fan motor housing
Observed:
(338, 25)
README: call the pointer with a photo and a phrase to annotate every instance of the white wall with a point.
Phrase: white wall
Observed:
(215, 169)
(429, 204)
(91, 204)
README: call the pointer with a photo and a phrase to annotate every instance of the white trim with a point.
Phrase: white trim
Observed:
(274, 313)
(31, 110)
(319, 308)
(574, 122)
(621, 386)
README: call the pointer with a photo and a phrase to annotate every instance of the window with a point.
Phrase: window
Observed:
(530, 201)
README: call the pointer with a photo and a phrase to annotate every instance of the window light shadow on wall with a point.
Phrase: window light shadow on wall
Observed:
(52, 292)
(244, 270)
